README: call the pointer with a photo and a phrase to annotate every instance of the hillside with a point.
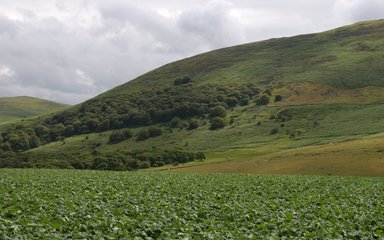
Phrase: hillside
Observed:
(14, 108)
(239, 109)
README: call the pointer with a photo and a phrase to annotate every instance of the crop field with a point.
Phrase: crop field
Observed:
(68, 204)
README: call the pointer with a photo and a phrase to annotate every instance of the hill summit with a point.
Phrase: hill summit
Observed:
(231, 104)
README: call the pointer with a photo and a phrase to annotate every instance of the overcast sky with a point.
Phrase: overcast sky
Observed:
(72, 50)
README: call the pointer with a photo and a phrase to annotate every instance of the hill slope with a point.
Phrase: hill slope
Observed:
(13, 108)
(235, 104)
(347, 57)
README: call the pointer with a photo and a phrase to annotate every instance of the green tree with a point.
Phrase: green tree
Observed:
(119, 136)
(193, 124)
(217, 122)
(154, 131)
(218, 111)
(142, 135)
(263, 100)
(278, 98)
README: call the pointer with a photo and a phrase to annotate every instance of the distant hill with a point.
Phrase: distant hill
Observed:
(13, 108)
(247, 108)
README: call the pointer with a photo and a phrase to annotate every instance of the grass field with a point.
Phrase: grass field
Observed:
(364, 157)
(69, 204)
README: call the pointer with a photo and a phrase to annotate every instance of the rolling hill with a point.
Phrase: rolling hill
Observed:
(16, 108)
(309, 104)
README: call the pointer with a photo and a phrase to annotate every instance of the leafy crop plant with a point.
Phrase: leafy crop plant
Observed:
(70, 204)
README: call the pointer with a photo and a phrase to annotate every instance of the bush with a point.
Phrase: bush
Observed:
(278, 98)
(183, 80)
(274, 131)
(268, 92)
(193, 124)
(244, 101)
(263, 100)
(176, 123)
(216, 123)
(142, 134)
(154, 131)
(218, 111)
(231, 101)
(119, 136)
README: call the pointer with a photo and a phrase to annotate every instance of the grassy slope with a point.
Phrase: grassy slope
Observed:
(347, 57)
(15, 108)
(333, 78)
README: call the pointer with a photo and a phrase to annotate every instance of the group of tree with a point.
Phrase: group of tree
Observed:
(186, 101)
(121, 161)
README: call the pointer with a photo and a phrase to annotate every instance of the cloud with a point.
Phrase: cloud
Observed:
(212, 24)
(359, 10)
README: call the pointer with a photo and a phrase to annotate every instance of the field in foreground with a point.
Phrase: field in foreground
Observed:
(68, 204)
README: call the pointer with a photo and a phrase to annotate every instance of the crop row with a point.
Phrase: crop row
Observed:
(69, 204)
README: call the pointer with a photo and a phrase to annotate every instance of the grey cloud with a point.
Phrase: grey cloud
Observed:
(212, 24)
(359, 10)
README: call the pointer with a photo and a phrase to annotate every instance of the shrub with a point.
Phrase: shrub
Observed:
(119, 136)
(244, 101)
(231, 101)
(180, 81)
(268, 92)
(216, 123)
(278, 98)
(176, 123)
(142, 134)
(154, 131)
(274, 131)
(218, 111)
(263, 100)
(193, 124)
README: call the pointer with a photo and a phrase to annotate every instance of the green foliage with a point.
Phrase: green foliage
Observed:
(52, 204)
(278, 98)
(143, 134)
(274, 131)
(193, 124)
(180, 81)
(263, 100)
(174, 105)
(216, 123)
(118, 161)
(154, 131)
(218, 111)
(268, 92)
(120, 135)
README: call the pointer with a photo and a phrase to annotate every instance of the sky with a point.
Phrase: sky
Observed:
(69, 51)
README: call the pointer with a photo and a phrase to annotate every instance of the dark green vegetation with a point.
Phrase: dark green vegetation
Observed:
(238, 102)
(51, 204)
(119, 161)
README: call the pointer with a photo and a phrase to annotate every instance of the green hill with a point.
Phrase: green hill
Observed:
(14, 108)
(245, 109)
